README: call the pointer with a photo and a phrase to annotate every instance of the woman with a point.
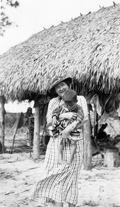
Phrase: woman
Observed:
(59, 183)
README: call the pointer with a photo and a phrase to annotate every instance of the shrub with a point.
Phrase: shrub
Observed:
(10, 119)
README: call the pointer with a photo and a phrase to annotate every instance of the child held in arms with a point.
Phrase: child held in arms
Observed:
(76, 123)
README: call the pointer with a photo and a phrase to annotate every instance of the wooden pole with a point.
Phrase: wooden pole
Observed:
(36, 140)
(87, 146)
(30, 135)
(95, 122)
(87, 150)
(2, 123)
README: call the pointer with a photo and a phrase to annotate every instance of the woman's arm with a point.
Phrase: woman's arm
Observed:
(50, 111)
(71, 127)
(80, 114)
(66, 132)
(83, 103)
(67, 115)
(56, 112)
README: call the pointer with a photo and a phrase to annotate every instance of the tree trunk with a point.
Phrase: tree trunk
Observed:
(2, 124)
(36, 139)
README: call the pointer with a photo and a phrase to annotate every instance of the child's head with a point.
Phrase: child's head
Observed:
(70, 99)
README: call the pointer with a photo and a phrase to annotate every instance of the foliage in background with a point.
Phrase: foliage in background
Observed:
(4, 19)
(10, 119)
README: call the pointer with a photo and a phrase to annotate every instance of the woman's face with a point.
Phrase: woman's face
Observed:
(60, 88)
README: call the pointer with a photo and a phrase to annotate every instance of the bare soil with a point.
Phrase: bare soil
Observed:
(19, 172)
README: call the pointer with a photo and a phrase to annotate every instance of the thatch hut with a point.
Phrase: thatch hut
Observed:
(86, 48)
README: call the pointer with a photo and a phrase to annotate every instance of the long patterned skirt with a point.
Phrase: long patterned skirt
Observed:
(59, 182)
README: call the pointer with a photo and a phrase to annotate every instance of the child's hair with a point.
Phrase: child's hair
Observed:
(70, 96)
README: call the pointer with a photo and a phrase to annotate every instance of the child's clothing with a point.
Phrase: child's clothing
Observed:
(74, 134)
(64, 123)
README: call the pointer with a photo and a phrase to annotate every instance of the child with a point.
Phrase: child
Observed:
(69, 105)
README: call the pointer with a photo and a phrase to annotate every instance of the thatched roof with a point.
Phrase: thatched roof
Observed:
(86, 48)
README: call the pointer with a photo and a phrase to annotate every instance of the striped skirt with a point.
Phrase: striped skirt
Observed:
(59, 182)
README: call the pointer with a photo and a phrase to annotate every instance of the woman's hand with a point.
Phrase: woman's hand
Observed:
(65, 134)
(55, 122)
(74, 116)
(68, 115)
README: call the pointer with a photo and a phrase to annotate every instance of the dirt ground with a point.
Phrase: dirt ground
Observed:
(19, 172)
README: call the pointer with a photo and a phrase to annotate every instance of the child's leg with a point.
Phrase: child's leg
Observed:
(60, 152)
(73, 150)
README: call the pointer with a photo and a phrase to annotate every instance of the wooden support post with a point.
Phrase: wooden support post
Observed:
(87, 146)
(36, 139)
(30, 135)
(95, 123)
(2, 123)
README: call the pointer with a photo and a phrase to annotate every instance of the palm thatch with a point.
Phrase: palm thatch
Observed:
(86, 48)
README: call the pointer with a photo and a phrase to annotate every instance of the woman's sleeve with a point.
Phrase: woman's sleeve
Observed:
(56, 112)
(49, 113)
(83, 103)
(80, 113)
(51, 106)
